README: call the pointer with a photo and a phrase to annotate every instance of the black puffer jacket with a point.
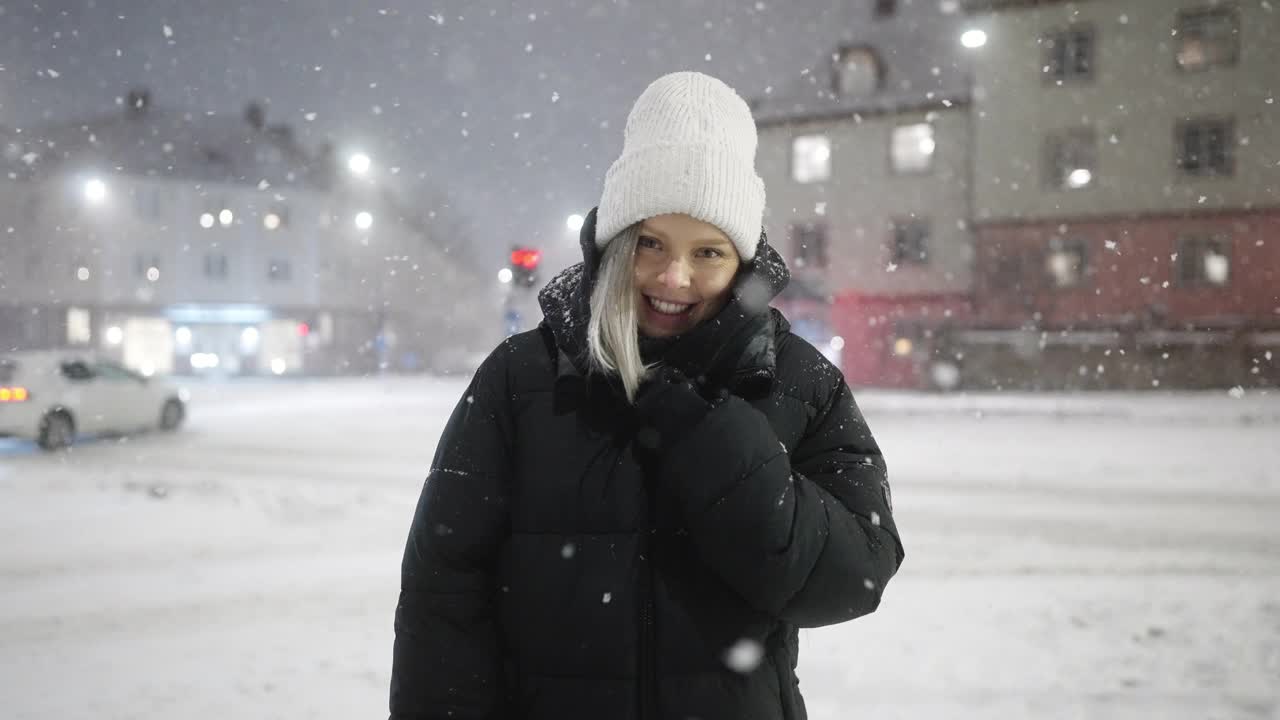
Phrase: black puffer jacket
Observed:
(546, 578)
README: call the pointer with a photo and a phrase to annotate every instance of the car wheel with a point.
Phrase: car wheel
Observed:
(57, 431)
(171, 415)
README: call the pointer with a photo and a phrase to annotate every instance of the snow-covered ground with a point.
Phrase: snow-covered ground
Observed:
(1101, 556)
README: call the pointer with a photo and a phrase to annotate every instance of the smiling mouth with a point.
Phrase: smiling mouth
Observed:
(668, 308)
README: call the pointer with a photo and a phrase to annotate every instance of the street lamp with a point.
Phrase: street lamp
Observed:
(574, 222)
(359, 163)
(364, 220)
(504, 275)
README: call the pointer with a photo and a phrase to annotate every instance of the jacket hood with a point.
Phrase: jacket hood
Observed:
(706, 349)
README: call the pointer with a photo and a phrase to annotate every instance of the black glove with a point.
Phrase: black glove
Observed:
(669, 405)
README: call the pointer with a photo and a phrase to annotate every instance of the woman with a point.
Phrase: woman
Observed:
(635, 506)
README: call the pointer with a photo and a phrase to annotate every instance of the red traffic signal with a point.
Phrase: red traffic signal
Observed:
(526, 258)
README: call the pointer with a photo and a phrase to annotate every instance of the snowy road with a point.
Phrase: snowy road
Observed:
(1106, 557)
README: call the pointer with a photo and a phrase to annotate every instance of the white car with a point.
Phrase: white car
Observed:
(53, 396)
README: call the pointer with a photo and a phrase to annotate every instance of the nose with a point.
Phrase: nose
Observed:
(676, 275)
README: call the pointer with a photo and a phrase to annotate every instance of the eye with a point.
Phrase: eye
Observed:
(647, 242)
(712, 253)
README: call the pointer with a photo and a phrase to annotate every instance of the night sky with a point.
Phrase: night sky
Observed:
(508, 112)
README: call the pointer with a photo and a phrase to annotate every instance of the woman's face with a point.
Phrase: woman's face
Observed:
(684, 273)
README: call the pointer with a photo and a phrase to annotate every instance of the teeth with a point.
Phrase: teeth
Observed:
(666, 307)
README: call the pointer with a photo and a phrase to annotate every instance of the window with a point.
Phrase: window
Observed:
(1065, 262)
(115, 373)
(1207, 38)
(147, 202)
(279, 271)
(276, 218)
(78, 326)
(912, 148)
(146, 265)
(1205, 147)
(1070, 159)
(886, 8)
(857, 72)
(809, 244)
(1068, 54)
(910, 242)
(811, 158)
(76, 370)
(1204, 261)
(215, 266)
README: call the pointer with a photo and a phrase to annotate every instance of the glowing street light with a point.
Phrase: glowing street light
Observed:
(504, 275)
(364, 220)
(271, 221)
(115, 335)
(95, 191)
(359, 163)
(206, 220)
(973, 39)
(226, 217)
(574, 222)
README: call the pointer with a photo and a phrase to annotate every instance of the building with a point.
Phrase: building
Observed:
(1127, 192)
(184, 242)
(867, 167)
(1089, 199)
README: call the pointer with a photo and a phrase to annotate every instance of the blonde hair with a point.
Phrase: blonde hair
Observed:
(613, 335)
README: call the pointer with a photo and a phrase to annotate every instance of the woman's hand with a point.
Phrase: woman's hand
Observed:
(669, 405)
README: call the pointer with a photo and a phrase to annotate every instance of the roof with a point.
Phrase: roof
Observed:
(163, 142)
(922, 65)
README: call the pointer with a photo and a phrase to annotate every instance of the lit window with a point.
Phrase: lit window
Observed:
(1207, 38)
(912, 148)
(811, 158)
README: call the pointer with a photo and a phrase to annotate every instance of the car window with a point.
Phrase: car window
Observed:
(111, 371)
(76, 370)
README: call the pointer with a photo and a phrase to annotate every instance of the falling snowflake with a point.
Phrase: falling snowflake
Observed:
(607, 598)
(568, 551)
(744, 656)
(168, 31)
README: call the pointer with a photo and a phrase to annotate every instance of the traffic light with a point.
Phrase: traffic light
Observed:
(524, 266)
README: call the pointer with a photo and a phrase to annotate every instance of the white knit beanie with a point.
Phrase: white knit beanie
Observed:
(689, 147)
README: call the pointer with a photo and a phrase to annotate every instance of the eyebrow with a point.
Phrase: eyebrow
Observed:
(708, 240)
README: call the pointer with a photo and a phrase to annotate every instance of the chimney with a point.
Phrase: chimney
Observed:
(255, 115)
